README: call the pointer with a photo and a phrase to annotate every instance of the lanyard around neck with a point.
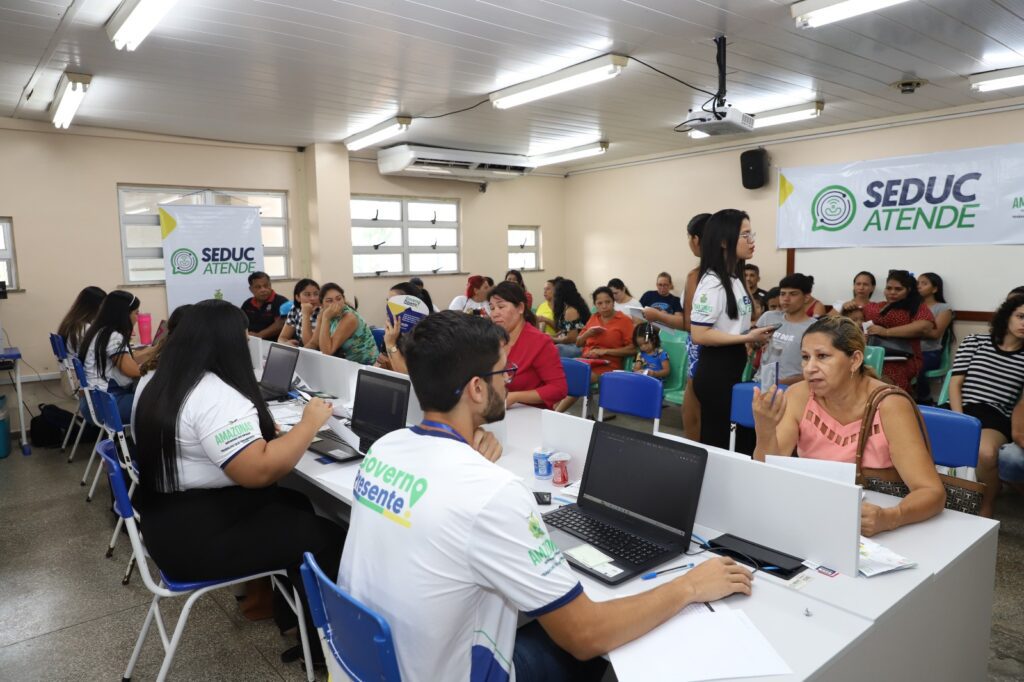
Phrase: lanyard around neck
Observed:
(443, 427)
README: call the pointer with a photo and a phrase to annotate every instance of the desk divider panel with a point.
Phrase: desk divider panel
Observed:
(566, 433)
(800, 514)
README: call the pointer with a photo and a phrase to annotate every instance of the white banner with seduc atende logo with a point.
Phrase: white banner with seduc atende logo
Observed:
(970, 196)
(209, 252)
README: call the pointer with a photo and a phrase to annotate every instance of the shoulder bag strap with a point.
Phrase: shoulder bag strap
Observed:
(874, 400)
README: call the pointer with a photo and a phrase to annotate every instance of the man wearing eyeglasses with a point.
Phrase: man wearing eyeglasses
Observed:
(449, 548)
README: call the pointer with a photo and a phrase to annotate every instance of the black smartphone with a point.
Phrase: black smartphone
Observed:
(542, 498)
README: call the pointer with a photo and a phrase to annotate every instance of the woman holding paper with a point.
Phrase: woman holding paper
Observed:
(821, 417)
(539, 379)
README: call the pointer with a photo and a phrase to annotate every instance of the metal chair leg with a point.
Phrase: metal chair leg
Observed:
(128, 571)
(78, 438)
(93, 456)
(95, 481)
(142, 638)
(67, 436)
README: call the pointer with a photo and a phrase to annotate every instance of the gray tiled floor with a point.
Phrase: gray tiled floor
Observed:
(64, 614)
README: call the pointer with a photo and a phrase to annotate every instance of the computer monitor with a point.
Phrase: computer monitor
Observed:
(644, 477)
(279, 369)
(381, 404)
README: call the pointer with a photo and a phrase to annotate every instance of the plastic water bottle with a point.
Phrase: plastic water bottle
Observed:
(5, 428)
(145, 329)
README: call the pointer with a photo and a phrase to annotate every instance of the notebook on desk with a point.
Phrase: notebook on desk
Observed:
(636, 506)
(380, 407)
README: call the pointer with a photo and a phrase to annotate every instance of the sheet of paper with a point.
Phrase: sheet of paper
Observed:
(841, 472)
(343, 432)
(875, 559)
(699, 645)
(588, 555)
(571, 490)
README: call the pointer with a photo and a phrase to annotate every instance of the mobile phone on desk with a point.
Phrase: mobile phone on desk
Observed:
(542, 498)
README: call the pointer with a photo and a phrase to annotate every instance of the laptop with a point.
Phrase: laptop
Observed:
(636, 507)
(278, 372)
(380, 407)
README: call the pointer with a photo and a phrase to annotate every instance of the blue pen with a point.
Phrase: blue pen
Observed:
(654, 574)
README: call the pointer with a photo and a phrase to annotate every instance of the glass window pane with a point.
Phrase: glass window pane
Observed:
(143, 202)
(5, 275)
(522, 261)
(376, 236)
(419, 236)
(376, 209)
(275, 266)
(522, 237)
(370, 263)
(143, 236)
(446, 212)
(270, 206)
(145, 269)
(273, 237)
(4, 226)
(433, 262)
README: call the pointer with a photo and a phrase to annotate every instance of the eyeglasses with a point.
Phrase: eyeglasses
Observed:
(509, 372)
(749, 236)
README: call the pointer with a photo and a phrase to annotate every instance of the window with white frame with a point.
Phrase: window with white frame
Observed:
(8, 268)
(140, 226)
(523, 247)
(403, 236)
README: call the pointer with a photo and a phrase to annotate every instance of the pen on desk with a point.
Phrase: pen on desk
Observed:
(654, 574)
(564, 500)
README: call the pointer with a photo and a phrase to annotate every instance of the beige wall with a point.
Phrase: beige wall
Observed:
(642, 210)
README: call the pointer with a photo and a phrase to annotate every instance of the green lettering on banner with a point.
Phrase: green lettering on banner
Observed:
(1018, 202)
(926, 218)
(940, 221)
(906, 219)
(964, 215)
(888, 216)
(873, 221)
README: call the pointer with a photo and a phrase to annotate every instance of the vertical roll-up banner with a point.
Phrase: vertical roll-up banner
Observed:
(209, 252)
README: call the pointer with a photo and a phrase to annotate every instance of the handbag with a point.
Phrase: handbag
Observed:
(961, 495)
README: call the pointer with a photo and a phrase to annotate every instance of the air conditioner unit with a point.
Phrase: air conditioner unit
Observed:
(450, 164)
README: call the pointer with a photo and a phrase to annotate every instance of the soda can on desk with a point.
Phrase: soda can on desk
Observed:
(541, 463)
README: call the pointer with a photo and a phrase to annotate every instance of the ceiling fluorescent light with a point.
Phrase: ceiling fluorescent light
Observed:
(134, 19)
(593, 149)
(379, 132)
(697, 135)
(815, 13)
(800, 112)
(70, 93)
(587, 73)
(997, 80)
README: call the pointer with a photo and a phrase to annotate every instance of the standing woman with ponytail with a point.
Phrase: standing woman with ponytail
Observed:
(720, 320)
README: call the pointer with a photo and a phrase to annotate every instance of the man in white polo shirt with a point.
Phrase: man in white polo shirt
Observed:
(449, 547)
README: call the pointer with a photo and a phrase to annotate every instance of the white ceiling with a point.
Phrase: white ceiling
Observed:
(294, 73)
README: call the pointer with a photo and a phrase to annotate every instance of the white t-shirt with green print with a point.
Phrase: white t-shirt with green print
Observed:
(215, 424)
(449, 548)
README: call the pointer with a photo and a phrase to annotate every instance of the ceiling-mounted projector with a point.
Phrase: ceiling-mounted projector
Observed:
(726, 121)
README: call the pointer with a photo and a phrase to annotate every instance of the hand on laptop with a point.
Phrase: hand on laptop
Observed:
(487, 444)
(317, 412)
(717, 579)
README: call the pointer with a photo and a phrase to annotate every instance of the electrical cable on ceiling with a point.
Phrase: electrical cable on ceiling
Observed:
(457, 111)
(668, 75)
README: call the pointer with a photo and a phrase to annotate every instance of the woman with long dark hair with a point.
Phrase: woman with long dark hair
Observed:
(545, 312)
(930, 286)
(77, 320)
(720, 320)
(209, 460)
(300, 324)
(623, 296)
(897, 325)
(110, 365)
(343, 332)
(516, 277)
(392, 357)
(571, 315)
(691, 404)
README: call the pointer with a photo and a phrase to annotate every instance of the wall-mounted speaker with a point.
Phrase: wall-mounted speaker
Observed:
(754, 168)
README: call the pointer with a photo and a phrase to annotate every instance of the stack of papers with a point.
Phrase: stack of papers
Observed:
(697, 644)
(286, 414)
(876, 560)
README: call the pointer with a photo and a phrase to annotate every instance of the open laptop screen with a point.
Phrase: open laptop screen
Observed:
(280, 368)
(381, 404)
(643, 476)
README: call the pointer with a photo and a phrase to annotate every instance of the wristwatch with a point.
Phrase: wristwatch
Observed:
(392, 349)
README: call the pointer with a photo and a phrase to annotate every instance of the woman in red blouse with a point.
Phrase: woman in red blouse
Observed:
(539, 379)
(898, 325)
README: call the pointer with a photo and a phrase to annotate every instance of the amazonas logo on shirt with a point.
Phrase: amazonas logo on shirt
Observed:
(702, 306)
(236, 433)
(388, 490)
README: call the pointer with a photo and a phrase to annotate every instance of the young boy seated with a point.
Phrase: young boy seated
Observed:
(264, 308)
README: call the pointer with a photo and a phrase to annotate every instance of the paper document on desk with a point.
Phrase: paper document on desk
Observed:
(841, 472)
(697, 644)
(286, 414)
(571, 490)
(344, 433)
(876, 560)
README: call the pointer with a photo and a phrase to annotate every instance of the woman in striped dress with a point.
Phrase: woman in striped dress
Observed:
(988, 376)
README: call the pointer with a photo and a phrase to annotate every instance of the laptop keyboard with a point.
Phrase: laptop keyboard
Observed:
(619, 543)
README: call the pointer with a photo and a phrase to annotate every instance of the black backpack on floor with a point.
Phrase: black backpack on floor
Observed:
(47, 429)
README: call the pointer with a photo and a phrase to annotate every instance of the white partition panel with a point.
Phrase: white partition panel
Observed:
(570, 434)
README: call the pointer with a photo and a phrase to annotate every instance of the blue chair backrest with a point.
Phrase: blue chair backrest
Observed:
(106, 411)
(577, 376)
(359, 639)
(57, 346)
(83, 381)
(741, 411)
(378, 336)
(631, 393)
(122, 503)
(955, 437)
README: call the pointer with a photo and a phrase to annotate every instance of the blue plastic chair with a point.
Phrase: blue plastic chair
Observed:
(741, 410)
(629, 393)
(577, 376)
(110, 420)
(60, 352)
(378, 337)
(359, 639)
(167, 587)
(85, 392)
(955, 437)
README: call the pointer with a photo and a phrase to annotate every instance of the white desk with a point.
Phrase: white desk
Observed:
(930, 622)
